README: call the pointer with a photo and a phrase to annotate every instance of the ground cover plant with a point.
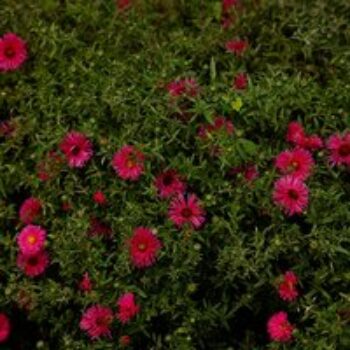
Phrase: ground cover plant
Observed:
(175, 174)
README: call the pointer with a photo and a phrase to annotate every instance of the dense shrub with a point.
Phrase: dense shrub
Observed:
(145, 137)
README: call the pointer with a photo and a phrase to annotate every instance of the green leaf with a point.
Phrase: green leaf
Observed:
(212, 69)
(247, 146)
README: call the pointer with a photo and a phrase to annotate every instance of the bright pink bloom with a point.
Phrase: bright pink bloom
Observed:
(96, 321)
(220, 124)
(287, 289)
(128, 163)
(313, 142)
(123, 5)
(169, 183)
(5, 327)
(31, 239)
(295, 134)
(77, 149)
(124, 340)
(99, 198)
(240, 81)
(228, 5)
(183, 87)
(297, 162)
(279, 328)
(291, 194)
(13, 52)
(127, 308)
(237, 47)
(33, 265)
(186, 210)
(85, 285)
(30, 210)
(339, 147)
(144, 247)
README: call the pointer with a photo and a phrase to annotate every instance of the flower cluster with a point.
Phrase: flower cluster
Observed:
(97, 320)
(133, 164)
(278, 326)
(32, 258)
(296, 165)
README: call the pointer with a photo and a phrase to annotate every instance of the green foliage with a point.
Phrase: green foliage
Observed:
(105, 73)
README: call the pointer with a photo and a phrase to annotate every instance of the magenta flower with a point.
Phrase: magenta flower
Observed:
(128, 163)
(127, 308)
(144, 247)
(186, 210)
(339, 147)
(77, 149)
(96, 321)
(169, 183)
(31, 239)
(291, 194)
(279, 328)
(13, 52)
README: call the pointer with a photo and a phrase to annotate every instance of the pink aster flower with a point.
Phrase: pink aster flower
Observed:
(96, 321)
(31, 239)
(220, 124)
(279, 328)
(186, 210)
(13, 52)
(30, 210)
(128, 163)
(287, 289)
(99, 198)
(297, 162)
(169, 183)
(5, 327)
(33, 265)
(127, 308)
(339, 147)
(77, 149)
(237, 47)
(85, 285)
(183, 87)
(240, 81)
(144, 247)
(291, 194)
(313, 142)
(295, 134)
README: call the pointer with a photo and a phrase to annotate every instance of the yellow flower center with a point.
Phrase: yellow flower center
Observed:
(31, 239)
(130, 163)
(142, 247)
